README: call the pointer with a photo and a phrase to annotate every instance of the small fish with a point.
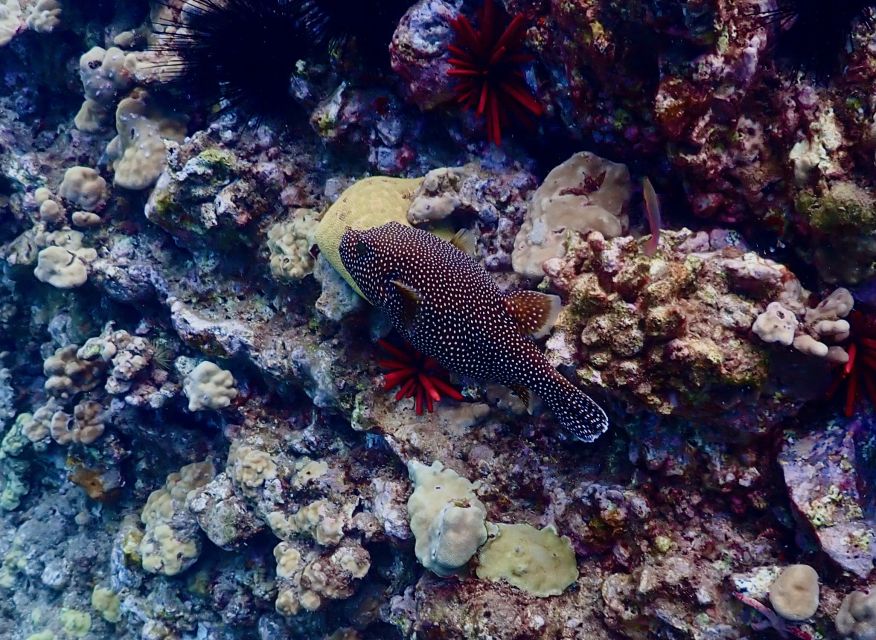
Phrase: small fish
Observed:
(652, 212)
(445, 304)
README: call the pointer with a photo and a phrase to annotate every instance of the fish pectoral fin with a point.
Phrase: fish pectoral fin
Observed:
(410, 298)
(535, 313)
(465, 241)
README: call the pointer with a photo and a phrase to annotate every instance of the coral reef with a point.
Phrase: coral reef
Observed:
(201, 435)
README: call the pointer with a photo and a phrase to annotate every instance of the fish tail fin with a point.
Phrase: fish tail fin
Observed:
(576, 412)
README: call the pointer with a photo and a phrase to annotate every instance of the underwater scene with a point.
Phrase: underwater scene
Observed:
(437, 319)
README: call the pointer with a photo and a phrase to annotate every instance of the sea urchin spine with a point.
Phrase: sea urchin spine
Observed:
(813, 33)
(486, 61)
(244, 51)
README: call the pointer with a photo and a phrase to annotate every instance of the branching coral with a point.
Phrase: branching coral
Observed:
(487, 63)
(419, 377)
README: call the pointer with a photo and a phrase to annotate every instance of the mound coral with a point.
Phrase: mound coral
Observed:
(367, 203)
(584, 193)
(487, 63)
(447, 518)
(857, 616)
(794, 594)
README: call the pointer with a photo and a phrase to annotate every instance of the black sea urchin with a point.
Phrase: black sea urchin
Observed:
(370, 23)
(813, 33)
(244, 51)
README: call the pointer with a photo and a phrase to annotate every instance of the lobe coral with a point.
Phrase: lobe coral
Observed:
(487, 62)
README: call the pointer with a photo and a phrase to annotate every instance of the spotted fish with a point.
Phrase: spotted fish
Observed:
(448, 307)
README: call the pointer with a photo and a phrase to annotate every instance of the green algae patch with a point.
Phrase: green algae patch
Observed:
(539, 562)
(844, 207)
(75, 623)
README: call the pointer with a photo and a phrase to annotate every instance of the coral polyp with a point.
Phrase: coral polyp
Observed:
(418, 376)
(243, 51)
(487, 63)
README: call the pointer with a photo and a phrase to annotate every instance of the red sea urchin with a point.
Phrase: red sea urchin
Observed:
(418, 376)
(486, 62)
(859, 372)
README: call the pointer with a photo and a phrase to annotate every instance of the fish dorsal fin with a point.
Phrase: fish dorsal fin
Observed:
(534, 312)
(410, 298)
(465, 241)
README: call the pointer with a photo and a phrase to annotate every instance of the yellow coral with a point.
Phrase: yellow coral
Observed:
(252, 467)
(163, 552)
(288, 559)
(106, 602)
(369, 203)
(537, 561)
(75, 623)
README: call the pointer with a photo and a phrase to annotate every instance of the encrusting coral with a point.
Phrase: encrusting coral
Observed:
(171, 541)
(538, 561)
(672, 332)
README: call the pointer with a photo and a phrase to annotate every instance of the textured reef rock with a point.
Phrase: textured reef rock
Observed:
(749, 141)
(821, 473)
(672, 333)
